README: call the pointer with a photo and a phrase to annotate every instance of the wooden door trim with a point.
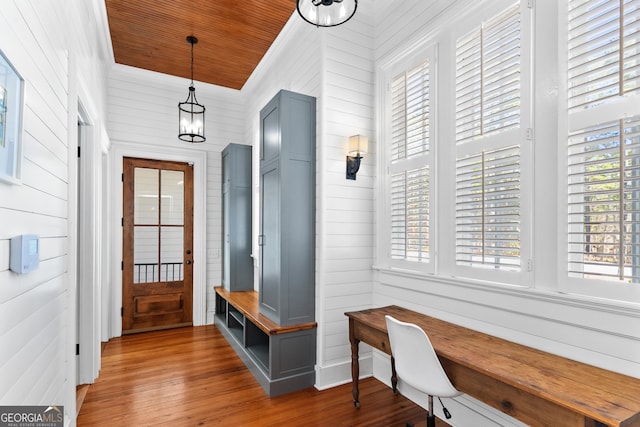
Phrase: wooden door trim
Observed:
(113, 287)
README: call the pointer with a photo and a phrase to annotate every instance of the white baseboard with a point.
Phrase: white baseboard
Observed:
(210, 317)
(338, 374)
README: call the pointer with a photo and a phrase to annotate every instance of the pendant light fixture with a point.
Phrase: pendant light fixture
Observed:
(326, 13)
(190, 113)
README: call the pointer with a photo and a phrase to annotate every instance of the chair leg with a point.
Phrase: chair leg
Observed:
(431, 418)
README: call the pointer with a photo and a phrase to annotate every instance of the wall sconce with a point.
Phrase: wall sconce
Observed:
(358, 144)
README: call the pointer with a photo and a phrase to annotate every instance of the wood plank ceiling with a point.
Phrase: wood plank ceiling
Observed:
(233, 36)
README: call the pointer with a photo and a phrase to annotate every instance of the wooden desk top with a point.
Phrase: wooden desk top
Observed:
(601, 395)
(247, 303)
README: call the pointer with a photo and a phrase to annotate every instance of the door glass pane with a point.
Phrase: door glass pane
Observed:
(145, 209)
(172, 201)
(145, 254)
(171, 248)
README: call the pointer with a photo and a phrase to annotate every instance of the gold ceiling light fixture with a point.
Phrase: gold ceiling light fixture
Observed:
(190, 112)
(326, 13)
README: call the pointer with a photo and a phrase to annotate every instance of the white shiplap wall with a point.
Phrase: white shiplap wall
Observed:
(348, 209)
(336, 66)
(143, 116)
(51, 44)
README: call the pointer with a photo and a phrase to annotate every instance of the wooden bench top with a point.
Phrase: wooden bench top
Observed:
(247, 303)
(598, 394)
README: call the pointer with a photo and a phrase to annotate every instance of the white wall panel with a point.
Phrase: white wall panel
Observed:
(334, 65)
(348, 205)
(400, 23)
(37, 364)
(143, 109)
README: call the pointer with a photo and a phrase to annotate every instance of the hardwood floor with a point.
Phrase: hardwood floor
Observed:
(192, 377)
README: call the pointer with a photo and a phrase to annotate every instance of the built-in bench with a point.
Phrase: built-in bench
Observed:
(281, 358)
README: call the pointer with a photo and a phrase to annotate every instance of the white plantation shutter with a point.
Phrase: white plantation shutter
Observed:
(410, 165)
(410, 215)
(469, 86)
(488, 209)
(489, 137)
(604, 201)
(410, 113)
(603, 176)
(488, 77)
(604, 51)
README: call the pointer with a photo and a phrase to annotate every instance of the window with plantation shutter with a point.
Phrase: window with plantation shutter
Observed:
(409, 172)
(490, 134)
(488, 209)
(604, 201)
(410, 215)
(488, 77)
(604, 51)
(603, 155)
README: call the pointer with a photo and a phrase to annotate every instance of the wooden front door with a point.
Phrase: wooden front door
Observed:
(157, 268)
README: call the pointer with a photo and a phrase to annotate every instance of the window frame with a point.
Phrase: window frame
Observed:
(622, 107)
(523, 134)
(388, 75)
(442, 227)
(544, 181)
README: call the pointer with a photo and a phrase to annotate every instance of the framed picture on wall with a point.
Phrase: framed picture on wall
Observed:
(11, 103)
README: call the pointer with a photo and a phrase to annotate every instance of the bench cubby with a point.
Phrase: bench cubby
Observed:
(281, 358)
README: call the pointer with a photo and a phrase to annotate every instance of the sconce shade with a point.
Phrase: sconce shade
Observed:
(358, 144)
(190, 112)
(326, 13)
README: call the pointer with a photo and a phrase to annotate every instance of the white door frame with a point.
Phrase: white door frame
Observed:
(199, 160)
(86, 234)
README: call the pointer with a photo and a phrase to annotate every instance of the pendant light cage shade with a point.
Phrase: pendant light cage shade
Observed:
(191, 118)
(326, 13)
(190, 112)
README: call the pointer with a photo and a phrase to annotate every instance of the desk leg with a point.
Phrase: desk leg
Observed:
(355, 364)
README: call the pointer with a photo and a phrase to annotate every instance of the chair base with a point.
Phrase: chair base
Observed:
(431, 421)
(431, 418)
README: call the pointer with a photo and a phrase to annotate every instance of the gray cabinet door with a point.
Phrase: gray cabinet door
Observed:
(270, 240)
(237, 263)
(270, 131)
(226, 235)
(287, 170)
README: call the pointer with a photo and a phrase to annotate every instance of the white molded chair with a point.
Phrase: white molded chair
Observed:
(417, 364)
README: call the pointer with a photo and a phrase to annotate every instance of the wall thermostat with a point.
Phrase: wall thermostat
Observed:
(25, 253)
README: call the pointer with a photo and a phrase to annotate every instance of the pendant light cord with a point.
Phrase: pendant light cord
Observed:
(192, 63)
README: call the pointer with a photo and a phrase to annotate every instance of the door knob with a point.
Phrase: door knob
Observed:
(188, 262)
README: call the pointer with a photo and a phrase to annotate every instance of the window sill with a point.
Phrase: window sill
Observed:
(529, 292)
